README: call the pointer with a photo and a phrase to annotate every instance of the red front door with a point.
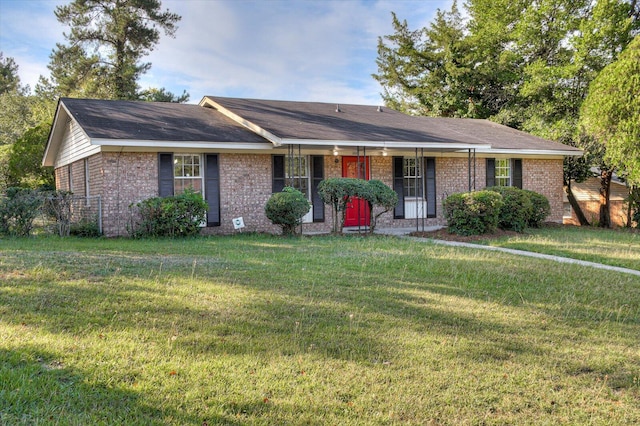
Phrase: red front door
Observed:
(357, 213)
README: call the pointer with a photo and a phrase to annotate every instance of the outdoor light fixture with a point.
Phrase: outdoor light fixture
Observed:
(335, 152)
(384, 152)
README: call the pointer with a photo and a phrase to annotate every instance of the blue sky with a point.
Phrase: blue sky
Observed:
(290, 50)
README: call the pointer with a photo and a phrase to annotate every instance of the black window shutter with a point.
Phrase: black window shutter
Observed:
(212, 189)
(430, 168)
(317, 175)
(278, 173)
(165, 174)
(491, 172)
(516, 173)
(398, 186)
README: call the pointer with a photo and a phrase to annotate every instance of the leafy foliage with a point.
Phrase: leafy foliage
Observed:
(524, 64)
(611, 112)
(379, 195)
(9, 79)
(516, 210)
(540, 208)
(287, 209)
(174, 216)
(18, 210)
(337, 193)
(105, 44)
(24, 165)
(472, 213)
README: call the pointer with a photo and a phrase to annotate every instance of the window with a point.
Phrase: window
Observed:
(187, 173)
(304, 173)
(503, 172)
(296, 172)
(412, 178)
(176, 172)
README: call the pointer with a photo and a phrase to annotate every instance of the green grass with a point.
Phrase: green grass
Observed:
(264, 330)
(619, 247)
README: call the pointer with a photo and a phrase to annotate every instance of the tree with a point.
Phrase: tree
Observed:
(611, 116)
(162, 95)
(107, 40)
(9, 79)
(611, 112)
(423, 72)
(379, 195)
(25, 160)
(524, 64)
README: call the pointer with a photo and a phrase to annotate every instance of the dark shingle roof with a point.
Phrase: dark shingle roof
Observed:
(320, 121)
(155, 121)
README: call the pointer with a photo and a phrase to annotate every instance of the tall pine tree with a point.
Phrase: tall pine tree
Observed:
(108, 38)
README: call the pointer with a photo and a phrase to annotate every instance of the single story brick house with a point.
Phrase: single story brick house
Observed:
(237, 152)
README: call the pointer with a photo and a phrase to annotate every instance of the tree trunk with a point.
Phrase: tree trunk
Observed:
(605, 196)
(576, 206)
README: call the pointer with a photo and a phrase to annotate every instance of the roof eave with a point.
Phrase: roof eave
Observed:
(385, 144)
(545, 152)
(180, 144)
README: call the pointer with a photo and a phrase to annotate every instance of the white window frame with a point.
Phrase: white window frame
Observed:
(415, 206)
(502, 172)
(293, 178)
(192, 176)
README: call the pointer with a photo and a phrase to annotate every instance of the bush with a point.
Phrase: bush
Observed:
(85, 228)
(337, 192)
(18, 210)
(516, 210)
(286, 209)
(540, 208)
(472, 213)
(174, 216)
(379, 195)
(58, 205)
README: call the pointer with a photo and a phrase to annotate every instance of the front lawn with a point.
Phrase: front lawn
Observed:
(325, 330)
(620, 247)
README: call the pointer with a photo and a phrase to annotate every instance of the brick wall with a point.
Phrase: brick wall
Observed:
(245, 187)
(545, 177)
(127, 178)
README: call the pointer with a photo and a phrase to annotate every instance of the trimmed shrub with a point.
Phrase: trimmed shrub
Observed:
(540, 208)
(516, 210)
(337, 193)
(472, 213)
(287, 209)
(174, 216)
(379, 195)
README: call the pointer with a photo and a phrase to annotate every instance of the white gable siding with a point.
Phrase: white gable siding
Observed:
(75, 145)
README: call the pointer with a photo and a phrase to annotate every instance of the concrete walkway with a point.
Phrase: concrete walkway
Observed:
(531, 254)
(404, 233)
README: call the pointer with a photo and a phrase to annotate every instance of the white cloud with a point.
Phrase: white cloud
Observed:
(28, 32)
(298, 50)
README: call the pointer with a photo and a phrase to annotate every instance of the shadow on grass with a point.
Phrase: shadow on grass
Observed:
(342, 301)
(37, 388)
